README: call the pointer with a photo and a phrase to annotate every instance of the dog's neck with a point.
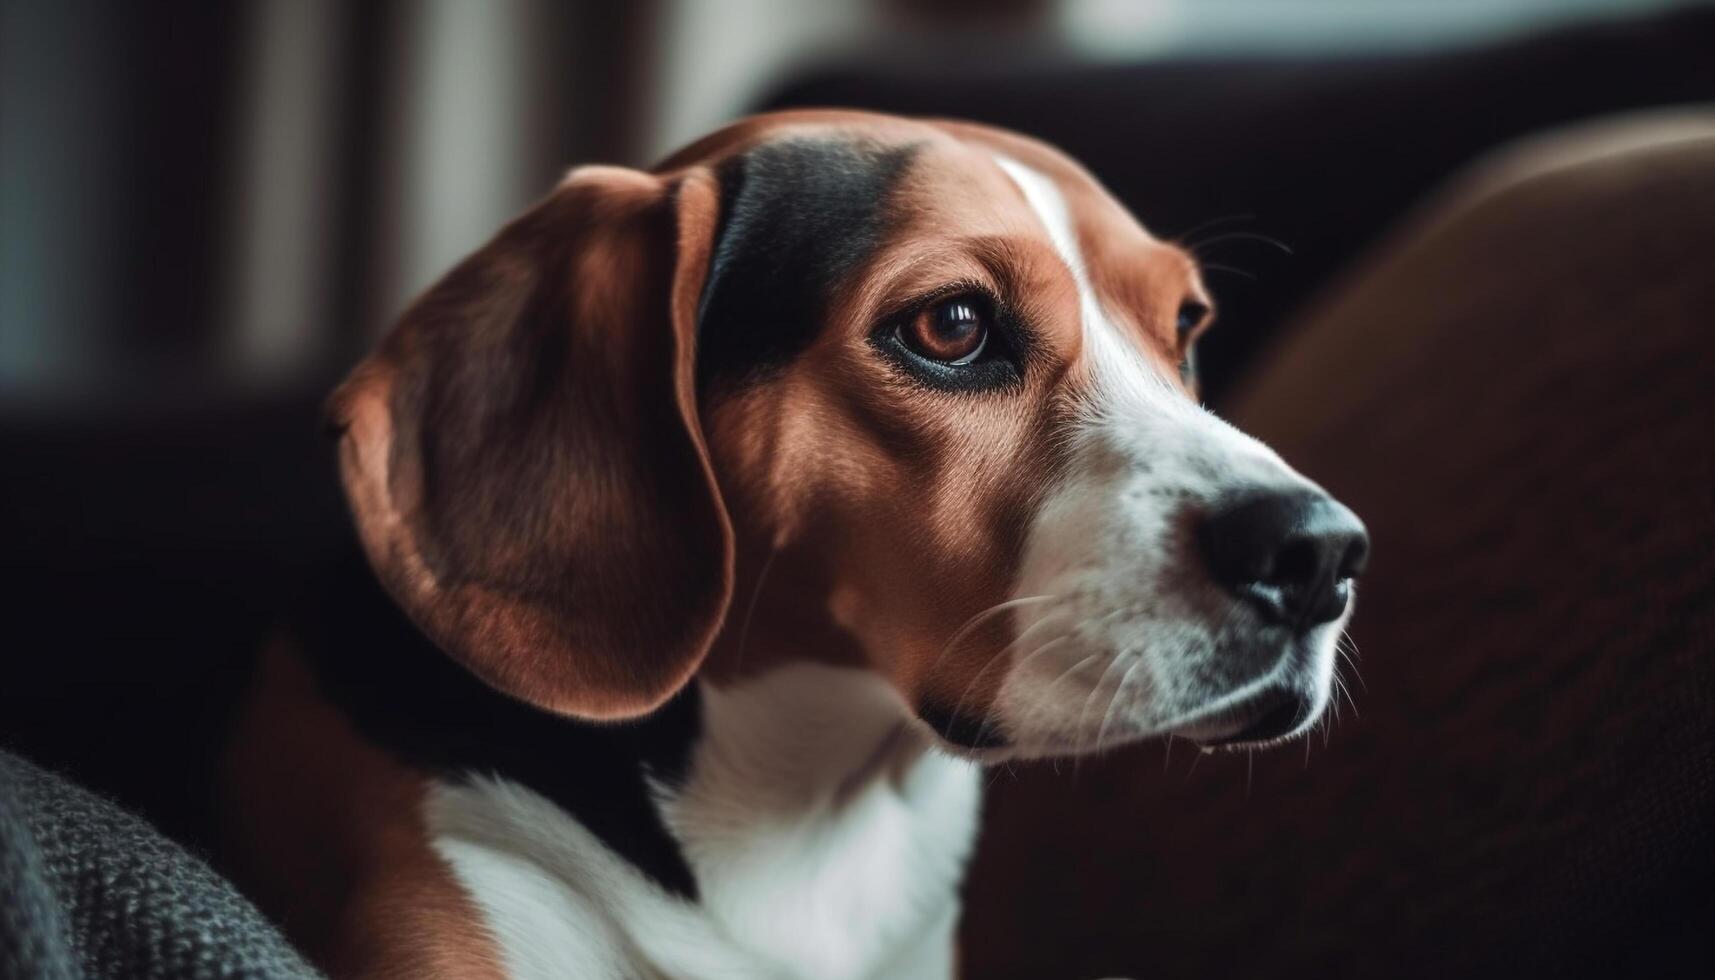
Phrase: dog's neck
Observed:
(806, 739)
(788, 733)
(796, 739)
(798, 807)
(820, 824)
(820, 843)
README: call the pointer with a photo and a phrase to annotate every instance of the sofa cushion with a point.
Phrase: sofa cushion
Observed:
(1517, 393)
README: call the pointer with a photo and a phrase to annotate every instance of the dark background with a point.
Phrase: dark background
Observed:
(208, 212)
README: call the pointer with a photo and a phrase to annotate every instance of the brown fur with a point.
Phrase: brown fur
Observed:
(524, 459)
(875, 516)
(327, 835)
(538, 483)
(885, 515)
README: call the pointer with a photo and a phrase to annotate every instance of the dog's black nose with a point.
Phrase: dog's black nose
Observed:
(1290, 555)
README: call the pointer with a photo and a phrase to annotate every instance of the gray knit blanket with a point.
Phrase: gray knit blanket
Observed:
(90, 892)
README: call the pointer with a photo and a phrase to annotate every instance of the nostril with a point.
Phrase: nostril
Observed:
(1356, 557)
(1296, 561)
(1288, 555)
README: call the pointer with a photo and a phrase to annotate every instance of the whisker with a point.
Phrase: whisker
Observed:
(977, 620)
(988, 712)
(959, 706)
(1218, 267)
(1184, 238)
(1069, 633)
(1101, 682)
(1348, 647)
(1167, 756)
(1358, 676)
(1075, 668)
(1044, 648)
(1113, 699)
(1350, 642)
(1065, 674)
(1090, 699)
(1053, 761)
(1341, 689)
(750, 610)
(1248, 236)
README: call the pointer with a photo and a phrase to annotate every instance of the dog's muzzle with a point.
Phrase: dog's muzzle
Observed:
(1290, 556)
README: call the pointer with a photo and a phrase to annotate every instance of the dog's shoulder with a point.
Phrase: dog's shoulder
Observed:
(357, 734)
(393, 809)
(326, 832)
(410, 700)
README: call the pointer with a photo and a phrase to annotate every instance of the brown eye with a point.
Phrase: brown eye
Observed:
(953, 331)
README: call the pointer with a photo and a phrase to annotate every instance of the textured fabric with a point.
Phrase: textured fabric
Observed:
(1517, 394)
(87, 890)
(33, 942)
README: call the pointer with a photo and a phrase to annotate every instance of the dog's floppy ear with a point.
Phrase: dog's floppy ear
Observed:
(523, 458)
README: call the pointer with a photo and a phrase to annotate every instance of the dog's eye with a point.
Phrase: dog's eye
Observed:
(1191, 315)
(953, 332)
(956, 341)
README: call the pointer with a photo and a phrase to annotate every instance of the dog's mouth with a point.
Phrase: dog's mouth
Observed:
(1263, 718)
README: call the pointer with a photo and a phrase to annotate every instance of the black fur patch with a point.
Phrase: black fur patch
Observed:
(966, 731)
(408, 698)
(797, 216)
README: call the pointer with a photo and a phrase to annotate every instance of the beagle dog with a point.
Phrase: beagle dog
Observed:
(718, 523)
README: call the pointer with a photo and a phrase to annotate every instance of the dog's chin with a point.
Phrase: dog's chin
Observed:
(1267, 716)
(1267, 710)
(1270, 715)
(1221, 704)
(1282, 701)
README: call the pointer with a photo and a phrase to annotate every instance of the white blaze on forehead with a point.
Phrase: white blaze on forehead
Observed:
(1129, 387)
(1136, 648)
(1116, 364)
(1045, 199)
(1050, 206)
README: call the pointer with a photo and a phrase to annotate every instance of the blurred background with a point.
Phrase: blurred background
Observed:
(208, 212)
(215, 199)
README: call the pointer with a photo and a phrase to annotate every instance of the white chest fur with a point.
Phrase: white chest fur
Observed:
(826, 839)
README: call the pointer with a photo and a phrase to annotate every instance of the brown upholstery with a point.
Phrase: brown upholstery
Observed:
(1518, 395)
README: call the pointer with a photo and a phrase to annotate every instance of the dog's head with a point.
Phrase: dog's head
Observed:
(913, 396)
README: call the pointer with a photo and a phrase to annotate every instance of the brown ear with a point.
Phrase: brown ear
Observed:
(523, 457)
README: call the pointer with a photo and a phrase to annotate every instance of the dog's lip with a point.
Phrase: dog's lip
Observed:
(1267, 717)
